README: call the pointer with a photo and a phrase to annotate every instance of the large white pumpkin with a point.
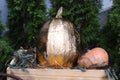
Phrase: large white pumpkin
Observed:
(58, 44)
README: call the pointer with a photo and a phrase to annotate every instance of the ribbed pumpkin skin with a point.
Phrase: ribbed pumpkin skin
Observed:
(57, 61)
(58, 44)
(95, 58)
(53, 53)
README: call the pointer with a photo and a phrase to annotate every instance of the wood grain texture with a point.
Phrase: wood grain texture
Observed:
(58, 74)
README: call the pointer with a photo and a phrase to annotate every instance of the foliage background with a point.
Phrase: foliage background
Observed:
(110, 36)
(5, 51)
(26, 17)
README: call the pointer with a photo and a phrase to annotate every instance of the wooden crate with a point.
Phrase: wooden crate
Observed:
(57, 74)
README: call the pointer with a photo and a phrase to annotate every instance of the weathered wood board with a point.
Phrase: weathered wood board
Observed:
(58, 74)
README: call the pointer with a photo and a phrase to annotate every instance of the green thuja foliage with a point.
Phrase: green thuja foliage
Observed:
(110, 36)
(5, 51)
(5, 56)
(84, 14)
(26, 17)
(2, 28)
(90, 23)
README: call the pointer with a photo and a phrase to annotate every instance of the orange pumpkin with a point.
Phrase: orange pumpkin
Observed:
(95, 58)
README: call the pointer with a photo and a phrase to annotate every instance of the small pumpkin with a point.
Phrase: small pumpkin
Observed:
(58, 43)
(95, 58)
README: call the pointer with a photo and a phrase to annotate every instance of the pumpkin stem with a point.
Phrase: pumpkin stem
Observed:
(59, 13)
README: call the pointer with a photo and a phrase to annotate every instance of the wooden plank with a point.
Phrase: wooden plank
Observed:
(58, 74)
